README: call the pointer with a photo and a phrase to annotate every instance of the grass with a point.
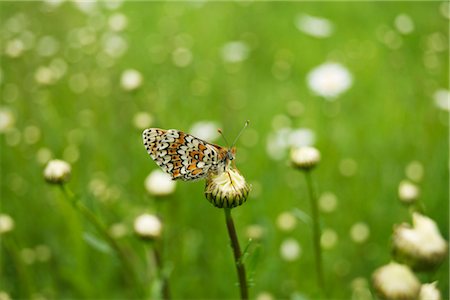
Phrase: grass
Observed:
(383, 122)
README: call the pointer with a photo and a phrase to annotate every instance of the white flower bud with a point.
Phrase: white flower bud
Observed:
(305, 157)
(396, 282)
(6, 223)
(148, 226)
(57, 171)
(429, 291)
(422, 246)
(159, 184)
(408, 192)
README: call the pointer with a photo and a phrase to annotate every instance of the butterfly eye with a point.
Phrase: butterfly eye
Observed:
(230, 155)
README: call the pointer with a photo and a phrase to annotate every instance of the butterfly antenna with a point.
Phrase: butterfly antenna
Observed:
(224, 138)
(242, 130)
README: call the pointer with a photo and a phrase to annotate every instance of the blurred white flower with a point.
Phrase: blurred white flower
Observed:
(348, 167)
(328, 202)
(396, 281)
(4, 296)
(6, 223)
(114, 45)
(404, 24)
(47, 46)
(131, 79)
(422, 246)
(442, 99)
(290, 249)
(235, 51)
(329, 80)
(254, 231)
(286, 221)
(118, 230)
(328, 239)
(264, 296)
(359, 232)
(142, 120)
(159, 183)
(6, 119)
(148, 226)
(57, 171)
(305, 157)
(284, 138)
(408, 192)
(429, 291)
(182, 57)
(14, 48)
(86, 6)
(205, 130)
(314, 26)
(45, 76)
(414, 171)
(112, 4)
(117, 22)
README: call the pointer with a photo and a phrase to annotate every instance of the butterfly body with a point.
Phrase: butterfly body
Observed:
(184, 156)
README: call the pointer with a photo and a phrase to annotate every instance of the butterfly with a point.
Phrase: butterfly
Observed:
(186, 157)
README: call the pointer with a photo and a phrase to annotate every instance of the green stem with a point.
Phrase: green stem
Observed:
(240, 268)
(159, 264)
(316, 231)
(77, 205)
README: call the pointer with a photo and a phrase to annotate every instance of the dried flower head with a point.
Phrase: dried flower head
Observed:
(57, 171)
(148, 227)
(227, 189)
(396, 282)
(305, 158)
(422, 246)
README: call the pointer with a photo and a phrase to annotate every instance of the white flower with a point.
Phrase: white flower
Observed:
(117, 22)
(227, 189)
(205, 130)
(142, 120)
(314, 26)
(422, 246)
(359, 232)
(254, 231)
(328, 202)
(408, 192)
(6, 120)
(429, 291)
(284, 138)
(159, 183)
(286, 221)
(148, 226)
(131, 79)
(235, 51)
(290, 250)
(57, 171)
(442, 99)
(182, 57)
(305, 157)
(404, 24)
(329, 80)
(395, 281)
(328, 239)
(6, 223)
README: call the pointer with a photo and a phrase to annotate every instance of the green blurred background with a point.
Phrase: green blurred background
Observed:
(63, 96)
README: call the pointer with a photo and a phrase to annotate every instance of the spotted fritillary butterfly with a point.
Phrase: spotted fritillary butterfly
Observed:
(184, 156)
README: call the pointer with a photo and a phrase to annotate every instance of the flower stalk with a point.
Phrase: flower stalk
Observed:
(240, 267)
(316, 231)
(165, 291)
(77, 205)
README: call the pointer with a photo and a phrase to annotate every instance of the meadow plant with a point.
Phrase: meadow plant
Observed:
(305, 159)
(227, 190)
(149, 228)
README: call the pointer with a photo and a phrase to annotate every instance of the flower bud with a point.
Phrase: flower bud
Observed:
(396, 282)
(305, 158)
(408, 192)
(429, 291)
(159, 184)
(6, 223)
(57, 171)
(227, 189)
(148, 227)
(422, 246)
